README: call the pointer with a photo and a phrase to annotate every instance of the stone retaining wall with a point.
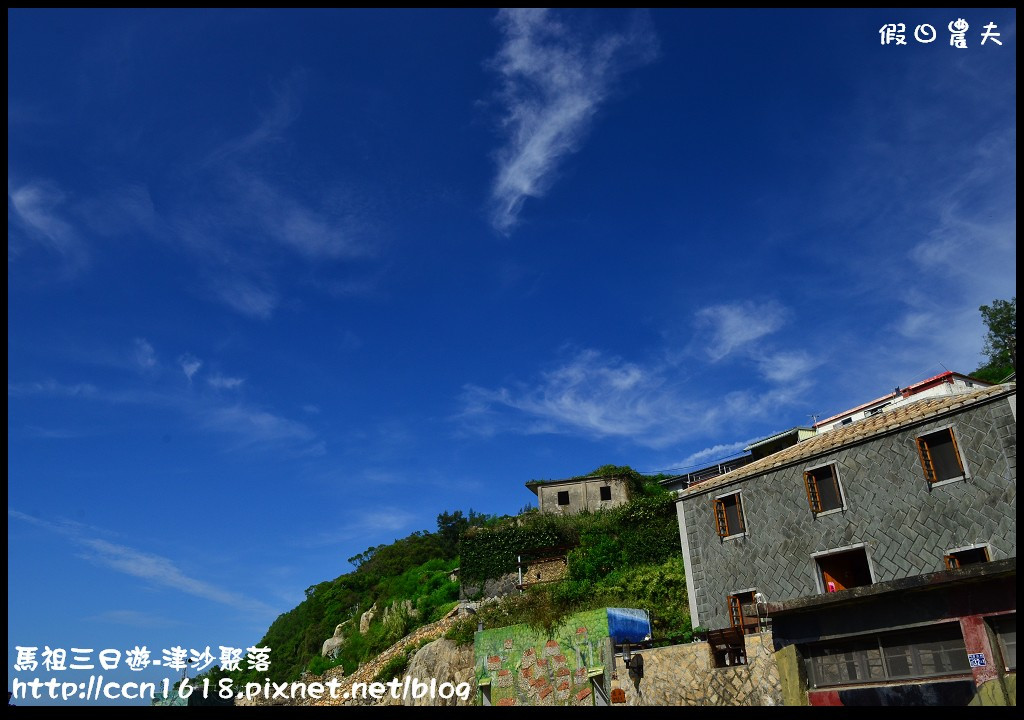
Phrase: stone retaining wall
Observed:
(685, 675)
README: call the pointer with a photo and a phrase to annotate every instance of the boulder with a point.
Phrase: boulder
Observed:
(366, 618)
(444, 661)
(332, 645)
(405, 605)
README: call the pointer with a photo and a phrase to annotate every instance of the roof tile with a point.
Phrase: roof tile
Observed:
(901, 416)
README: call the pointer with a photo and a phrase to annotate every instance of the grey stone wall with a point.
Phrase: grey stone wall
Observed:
(906, 526)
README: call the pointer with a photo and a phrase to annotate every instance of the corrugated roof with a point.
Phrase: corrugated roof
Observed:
(849, 434)
(776, 436)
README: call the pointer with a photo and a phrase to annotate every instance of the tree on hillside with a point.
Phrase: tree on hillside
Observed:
(1000, 340)
(450, 527)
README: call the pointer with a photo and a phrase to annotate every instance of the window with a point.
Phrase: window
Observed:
(842, 570)
(727, 647)
(563, 497)
(729, 515)
(1005, 628)
(969, 556)
(926, 652)
(737, 619)
(606, 493)
(940, 458)
(823, 493)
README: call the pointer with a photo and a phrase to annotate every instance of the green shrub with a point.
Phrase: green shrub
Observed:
(462, 631)
(395, 666)
(318, 665)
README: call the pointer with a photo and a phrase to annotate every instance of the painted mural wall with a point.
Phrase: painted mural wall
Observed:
(519, 665)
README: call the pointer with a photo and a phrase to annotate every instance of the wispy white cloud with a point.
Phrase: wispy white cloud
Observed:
(224, 383)
(553, 83)
(163, 572)
(766, 404)
(724, 329)
(788, 366)
(247, 298)
(312, 233)
(249, 425)
(36, 212)
(154, 569)
(373, 523)
(52, 433)
(145, 355)
(250, 222)
(254, 426)
(709, 455)
(594, 396)
(654, 403)
(284, 110)
(119, 210)
(190, 365)
(51, 388)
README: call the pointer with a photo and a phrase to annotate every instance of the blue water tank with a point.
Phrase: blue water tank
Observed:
(628, 625)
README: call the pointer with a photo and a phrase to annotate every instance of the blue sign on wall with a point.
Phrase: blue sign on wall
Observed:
(976, 659)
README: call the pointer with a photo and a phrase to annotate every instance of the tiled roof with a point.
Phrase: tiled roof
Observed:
(901, 416)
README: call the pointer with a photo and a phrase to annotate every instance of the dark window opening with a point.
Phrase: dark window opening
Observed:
(823, 491)
(960, 558)
(843, 570)
(940, 459)
(606, 493)
(563, 497)
(727, 647)
(927, 652)
(729, 515)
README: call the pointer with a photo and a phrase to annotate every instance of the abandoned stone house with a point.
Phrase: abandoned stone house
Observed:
(882, 555)
(578, 494)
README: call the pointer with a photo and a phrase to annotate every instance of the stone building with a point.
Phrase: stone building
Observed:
(882, 554)
(577, 494)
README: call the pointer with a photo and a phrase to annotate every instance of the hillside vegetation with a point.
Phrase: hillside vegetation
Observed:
(627, 556)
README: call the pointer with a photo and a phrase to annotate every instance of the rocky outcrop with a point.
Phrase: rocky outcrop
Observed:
(366, 673)
(446, 662)
(332, 645)
(507, 584)
(366, 618)
(405, 606)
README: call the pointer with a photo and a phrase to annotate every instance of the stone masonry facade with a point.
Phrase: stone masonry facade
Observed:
(684, 675)
(905, 526)
(583, 494)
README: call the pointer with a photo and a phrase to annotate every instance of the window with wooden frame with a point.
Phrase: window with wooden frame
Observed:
(748, 625)
(843, 569)
(823, 491)
(729, 515)
(940, 456)
(969, 556)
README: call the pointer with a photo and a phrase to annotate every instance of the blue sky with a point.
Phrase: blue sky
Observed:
(284, 285)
